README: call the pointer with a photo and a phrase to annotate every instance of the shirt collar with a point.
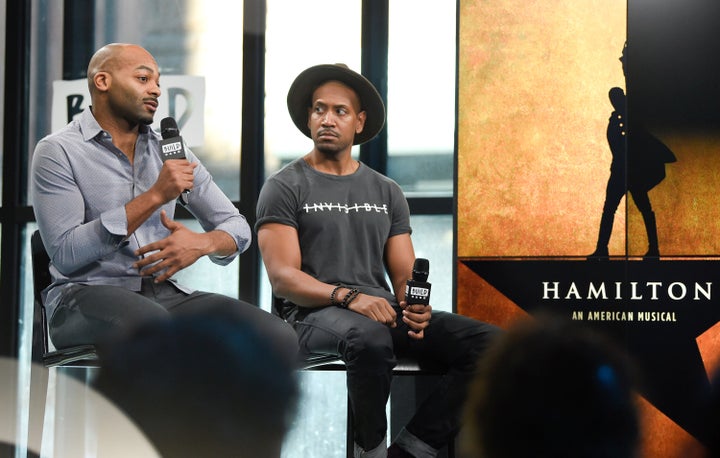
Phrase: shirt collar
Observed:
(90, 128)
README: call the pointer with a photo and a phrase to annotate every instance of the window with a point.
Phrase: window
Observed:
(186, 38)
(300, 35)
(421, 96)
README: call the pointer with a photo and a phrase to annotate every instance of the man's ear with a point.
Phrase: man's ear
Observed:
(361, 122)
(102, 81)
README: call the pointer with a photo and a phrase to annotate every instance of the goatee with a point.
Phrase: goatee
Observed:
(329, 151)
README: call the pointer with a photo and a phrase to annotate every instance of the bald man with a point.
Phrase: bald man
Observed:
(104, 202)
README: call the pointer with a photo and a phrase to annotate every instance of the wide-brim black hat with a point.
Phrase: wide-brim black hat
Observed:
(301, 90)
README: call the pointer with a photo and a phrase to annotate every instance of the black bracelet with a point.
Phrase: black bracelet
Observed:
(349, 297)
(333, 299)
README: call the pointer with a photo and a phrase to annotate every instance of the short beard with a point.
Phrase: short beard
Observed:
(328, 150)
(146, 120)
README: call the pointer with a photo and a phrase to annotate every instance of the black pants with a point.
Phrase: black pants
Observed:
(369, 350)
(91, 314)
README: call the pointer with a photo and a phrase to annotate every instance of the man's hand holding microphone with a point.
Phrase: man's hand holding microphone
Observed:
(416, 306)
(175, 174)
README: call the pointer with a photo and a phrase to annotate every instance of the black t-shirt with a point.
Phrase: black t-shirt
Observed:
(343, 222)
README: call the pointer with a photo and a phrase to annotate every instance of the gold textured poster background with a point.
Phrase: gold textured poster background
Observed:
(533, 159)
(687, 202)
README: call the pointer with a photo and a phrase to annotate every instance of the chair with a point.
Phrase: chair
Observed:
(75, 356)
(404, 367)
(324, 362)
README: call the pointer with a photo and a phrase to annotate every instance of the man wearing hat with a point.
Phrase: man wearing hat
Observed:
(330, 229)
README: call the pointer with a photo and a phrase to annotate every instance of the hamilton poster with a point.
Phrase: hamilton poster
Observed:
(588, 184)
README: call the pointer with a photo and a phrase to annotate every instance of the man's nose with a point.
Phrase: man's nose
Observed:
(328, 118)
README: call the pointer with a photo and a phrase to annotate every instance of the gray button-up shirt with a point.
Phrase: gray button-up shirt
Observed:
(80, 185)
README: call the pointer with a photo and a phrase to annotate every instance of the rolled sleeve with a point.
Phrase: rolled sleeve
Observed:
(215, 211)
(115, 222)
(239, 230)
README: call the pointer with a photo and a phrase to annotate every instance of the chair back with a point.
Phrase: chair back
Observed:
(78, 355)
(41, 280)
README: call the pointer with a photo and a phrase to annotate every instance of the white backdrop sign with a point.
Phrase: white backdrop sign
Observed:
(183, 98)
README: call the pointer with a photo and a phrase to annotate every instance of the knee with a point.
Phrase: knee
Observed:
(476, 345)
(284, 338)
(369, 346)
(287, 335)
(485, 337)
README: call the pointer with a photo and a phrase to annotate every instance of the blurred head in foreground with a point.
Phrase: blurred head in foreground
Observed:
(552, 388)
(201, 385)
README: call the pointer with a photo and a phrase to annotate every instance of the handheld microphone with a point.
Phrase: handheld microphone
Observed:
(417, 289)
(171, 146)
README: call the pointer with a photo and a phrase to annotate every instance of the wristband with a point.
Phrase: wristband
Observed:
(349, 297)
(333, 299)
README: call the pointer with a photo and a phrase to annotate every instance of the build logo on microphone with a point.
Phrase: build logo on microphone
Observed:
(417, 291)
(171, 149)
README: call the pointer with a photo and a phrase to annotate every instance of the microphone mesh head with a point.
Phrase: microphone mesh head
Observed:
(169, 128)
(421, 269)
(422, 265)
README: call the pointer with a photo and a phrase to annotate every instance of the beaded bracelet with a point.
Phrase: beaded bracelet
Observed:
(333, 299)
(349, 297)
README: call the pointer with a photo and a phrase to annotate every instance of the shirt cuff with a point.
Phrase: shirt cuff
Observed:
(115, 222)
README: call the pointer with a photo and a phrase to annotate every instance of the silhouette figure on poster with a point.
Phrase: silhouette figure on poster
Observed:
(638, 165)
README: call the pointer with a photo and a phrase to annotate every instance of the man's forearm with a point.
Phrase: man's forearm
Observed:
(140, 209)
(222, 243)
(302, 289)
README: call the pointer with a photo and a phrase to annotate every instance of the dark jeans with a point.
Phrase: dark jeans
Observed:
(369, 350)
(91, 314)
